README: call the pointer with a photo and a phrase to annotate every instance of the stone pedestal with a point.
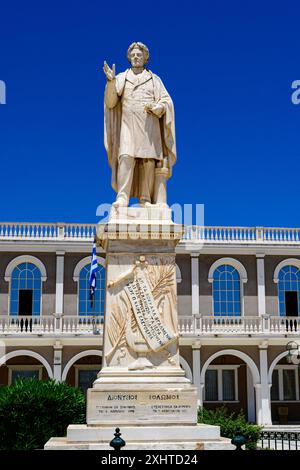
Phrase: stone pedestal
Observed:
(176, 437)
(141, 387)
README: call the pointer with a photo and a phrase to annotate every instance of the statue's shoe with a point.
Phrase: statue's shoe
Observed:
(145, 204)
(120, 203)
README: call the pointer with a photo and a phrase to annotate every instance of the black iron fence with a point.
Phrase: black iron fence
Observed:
(280, 440)
(273, 440)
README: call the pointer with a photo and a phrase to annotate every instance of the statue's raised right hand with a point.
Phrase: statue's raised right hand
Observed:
(110, 73)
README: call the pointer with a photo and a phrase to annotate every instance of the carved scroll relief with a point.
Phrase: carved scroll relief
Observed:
(156, 334)
(141, 312)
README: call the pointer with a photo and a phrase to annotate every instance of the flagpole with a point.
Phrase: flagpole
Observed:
(93, 274)
(93, 283)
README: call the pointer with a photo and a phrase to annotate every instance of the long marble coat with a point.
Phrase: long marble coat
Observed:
(128, 129)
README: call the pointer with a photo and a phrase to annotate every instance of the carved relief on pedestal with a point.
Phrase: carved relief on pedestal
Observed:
(142, 323)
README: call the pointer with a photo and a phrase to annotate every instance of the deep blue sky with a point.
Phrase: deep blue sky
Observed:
(228, 66)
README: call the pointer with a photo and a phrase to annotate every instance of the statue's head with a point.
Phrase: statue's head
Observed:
(138, 54)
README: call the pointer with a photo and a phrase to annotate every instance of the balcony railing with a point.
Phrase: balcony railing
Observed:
(192, 233)
(192, 325)
(67, 325)
(238, 325)
(27, 325)
(81, 325)
(46, 231)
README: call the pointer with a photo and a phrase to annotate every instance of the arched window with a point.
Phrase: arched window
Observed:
(288, 291)
(26, 288)
(226, 291)
(85, 307)
(178, 274)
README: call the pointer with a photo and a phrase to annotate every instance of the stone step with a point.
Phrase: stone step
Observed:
(146, 434)
(62, 443)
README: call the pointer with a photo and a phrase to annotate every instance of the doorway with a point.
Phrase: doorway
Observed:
(25, 302)
(291, 303)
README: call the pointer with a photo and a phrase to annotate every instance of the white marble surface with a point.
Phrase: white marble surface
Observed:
(81, 432)
(141, 388)
(172, 437)
(140, 330)
(142, 403)
(139, 130)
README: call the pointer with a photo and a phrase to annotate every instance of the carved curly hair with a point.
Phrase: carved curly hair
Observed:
(141, 46)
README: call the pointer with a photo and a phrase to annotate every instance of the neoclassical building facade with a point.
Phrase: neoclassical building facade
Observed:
(238, 301)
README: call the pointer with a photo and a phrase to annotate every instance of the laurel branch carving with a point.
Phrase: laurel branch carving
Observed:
(161, 280)
(116, 327)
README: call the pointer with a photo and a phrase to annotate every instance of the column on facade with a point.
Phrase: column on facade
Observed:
(263, 390)
(59, 295)
(197, 370)
(261, 290)
(195, 283)
(250, 396)
(57, 360)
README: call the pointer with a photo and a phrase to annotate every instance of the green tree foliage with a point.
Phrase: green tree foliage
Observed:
(229, 422)
(33, 411)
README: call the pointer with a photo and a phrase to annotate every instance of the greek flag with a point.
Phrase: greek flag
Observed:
(93, 271)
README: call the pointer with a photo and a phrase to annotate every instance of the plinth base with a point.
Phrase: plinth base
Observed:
(153, 214)
(168, 437)
(144, 403)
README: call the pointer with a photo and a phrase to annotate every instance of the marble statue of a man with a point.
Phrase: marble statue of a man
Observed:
(139, 128)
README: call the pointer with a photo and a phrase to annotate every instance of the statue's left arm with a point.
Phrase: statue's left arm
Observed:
(165, 104)
(163, 99)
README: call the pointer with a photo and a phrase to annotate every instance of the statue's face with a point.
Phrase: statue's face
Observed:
(137, 57)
